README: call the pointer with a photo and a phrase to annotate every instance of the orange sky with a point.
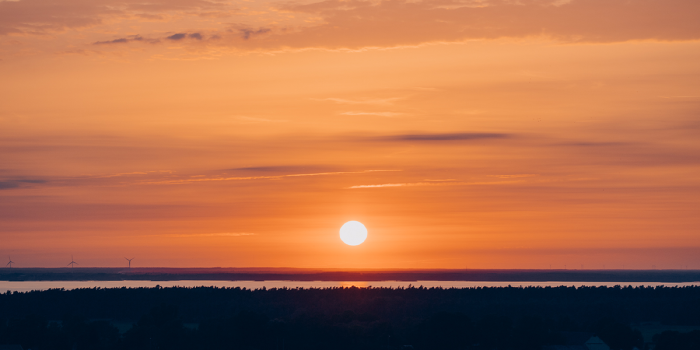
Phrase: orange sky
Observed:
(474, 133)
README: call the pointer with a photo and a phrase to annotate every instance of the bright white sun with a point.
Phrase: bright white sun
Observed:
(353, 233)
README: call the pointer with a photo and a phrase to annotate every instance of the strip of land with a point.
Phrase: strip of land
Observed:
(290, 274)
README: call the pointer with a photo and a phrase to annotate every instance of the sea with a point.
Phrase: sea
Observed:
(27, 286)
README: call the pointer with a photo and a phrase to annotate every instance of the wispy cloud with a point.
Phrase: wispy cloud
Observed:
(18, 183)
(221, 234)
(139, 38)
(445, 137)
(507, 180)
(181, 36)
(301, 169)
(380, 114)
(358, 25)
(387, 185)
(375, 101)
(6, 185)
(592, 144)
(682, 97)
(247, 33)
(410, 184)
(435, 183)
(240, 178)
(43, 17)
(120, 40)
(513, 176)
(129, 174)
(574, 21)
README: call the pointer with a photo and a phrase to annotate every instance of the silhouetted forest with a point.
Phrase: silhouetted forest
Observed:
(344, 318)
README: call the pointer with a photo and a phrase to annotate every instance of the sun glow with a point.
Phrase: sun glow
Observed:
(353, 233)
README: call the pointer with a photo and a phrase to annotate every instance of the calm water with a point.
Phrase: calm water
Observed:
(26, 286)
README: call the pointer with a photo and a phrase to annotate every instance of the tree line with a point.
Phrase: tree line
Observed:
(488, 318)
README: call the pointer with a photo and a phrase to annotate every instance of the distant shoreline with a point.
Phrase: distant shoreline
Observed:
(288, 274)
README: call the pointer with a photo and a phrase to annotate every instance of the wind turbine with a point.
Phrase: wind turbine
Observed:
(129, 260)
(72, 262)
(11, 262)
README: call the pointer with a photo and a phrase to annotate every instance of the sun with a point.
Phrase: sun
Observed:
(353, 233)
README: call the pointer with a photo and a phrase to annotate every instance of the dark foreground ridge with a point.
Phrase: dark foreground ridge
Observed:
(262, 274)
(505, 318)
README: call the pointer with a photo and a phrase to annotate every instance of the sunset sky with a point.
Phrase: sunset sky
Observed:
(463, 134)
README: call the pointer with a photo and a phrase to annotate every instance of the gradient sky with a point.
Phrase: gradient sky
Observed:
(473, 133)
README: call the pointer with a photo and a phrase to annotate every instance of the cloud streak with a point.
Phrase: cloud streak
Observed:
(40, 17)
(444, 137)
(380, 114)
(283, 168)
(514, 176)
(202, 235)
(122, 40)
(357, 24)
(433, 183)
(181, 36)
(247, 33)
(131, 173)
(375, 101)
(264, 177)
(19, 183)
